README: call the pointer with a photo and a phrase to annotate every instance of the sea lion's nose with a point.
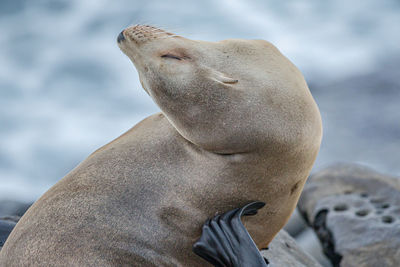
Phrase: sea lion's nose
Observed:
(121, 37)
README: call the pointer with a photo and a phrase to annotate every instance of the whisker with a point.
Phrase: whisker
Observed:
(168, 36)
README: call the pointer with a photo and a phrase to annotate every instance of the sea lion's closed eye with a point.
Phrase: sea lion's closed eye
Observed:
(171, 56)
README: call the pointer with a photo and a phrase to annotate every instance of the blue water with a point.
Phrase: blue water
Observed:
(66, 89)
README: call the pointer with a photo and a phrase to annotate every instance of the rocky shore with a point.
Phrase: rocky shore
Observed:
(355, 213)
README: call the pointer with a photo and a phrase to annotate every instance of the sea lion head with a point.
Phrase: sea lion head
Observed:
(229, 96)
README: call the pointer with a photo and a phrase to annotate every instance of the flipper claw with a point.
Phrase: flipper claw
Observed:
(226, 242)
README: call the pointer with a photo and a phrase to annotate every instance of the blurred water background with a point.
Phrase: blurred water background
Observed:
(66, 89)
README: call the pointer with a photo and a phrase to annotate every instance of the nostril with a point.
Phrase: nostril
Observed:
(121, 37)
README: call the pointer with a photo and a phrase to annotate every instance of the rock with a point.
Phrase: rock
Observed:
(305, 238)
(309, 242)
(283, 251)
(296, 224)
(10, 213)
(11, 218)
(6, 227)
(13, 208)
(355, 213)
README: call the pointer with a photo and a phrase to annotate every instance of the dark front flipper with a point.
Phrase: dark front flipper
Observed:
(226, 242)
(5, 230)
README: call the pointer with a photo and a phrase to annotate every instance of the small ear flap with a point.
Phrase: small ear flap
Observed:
(222, 78)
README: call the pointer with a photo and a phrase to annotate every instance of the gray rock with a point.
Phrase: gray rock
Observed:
(296, 224)
(355, 212)
(10, 213)
(13, 208)
(6, 227)
(284, 252)
(309, 242)
(11, 218)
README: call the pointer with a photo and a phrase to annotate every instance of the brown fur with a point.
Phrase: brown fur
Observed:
(238, 124)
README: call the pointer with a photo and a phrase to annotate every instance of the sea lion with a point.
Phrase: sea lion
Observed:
(238, 124)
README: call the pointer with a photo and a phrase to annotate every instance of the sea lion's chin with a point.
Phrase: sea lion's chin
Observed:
(130, 51)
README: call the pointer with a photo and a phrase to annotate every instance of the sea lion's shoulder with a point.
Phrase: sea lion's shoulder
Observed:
(154, 127)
